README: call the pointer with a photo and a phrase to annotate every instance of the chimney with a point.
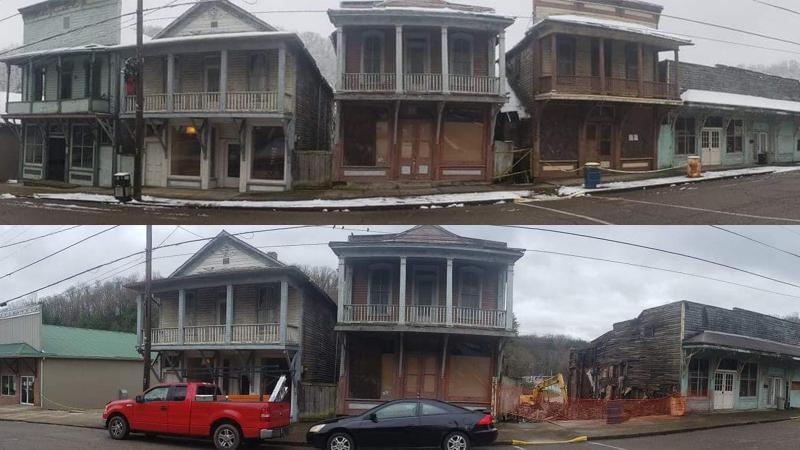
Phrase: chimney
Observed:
(273, 255)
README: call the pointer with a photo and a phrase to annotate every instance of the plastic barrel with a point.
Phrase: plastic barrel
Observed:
(592, 176)
(615, 413)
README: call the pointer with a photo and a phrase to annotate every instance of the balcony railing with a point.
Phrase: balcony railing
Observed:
(424, 315)
(619, 87)
(212, 334)
(255, 102)
(256, 334)
(64, 106)
(165, 335)
(267, 333)
(419, 83)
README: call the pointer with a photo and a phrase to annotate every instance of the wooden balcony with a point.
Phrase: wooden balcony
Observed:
(209, 102)
(268, 333)
(419, 83)
(66, 106)
(616, 87)
(419, 315)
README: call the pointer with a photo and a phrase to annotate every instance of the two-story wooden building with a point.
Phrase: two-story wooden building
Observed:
(588, 74)
(418, 90)
(69, 86)
(422, 313)
(228, 99)
(238, 317)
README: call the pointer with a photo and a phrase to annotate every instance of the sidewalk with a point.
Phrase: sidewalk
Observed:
(510, 433)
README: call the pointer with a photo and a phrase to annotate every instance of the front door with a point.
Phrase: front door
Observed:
(56, 159)
(233, 167)
(26, 393)
(153, 164)
(416, 149)
(775, 393)
(711, 140)
(760, 145)
(723, 389)
(421, 375)
(599, 138)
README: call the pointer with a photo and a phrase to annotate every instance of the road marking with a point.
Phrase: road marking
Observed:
(606, 445)
(518, 447)
(706, 210)
(580, 216)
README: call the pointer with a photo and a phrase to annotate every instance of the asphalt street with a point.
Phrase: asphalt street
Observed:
(764, 199)
(777, 436)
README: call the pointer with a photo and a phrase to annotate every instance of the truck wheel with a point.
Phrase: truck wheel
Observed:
(340, 441)
(227, 437)
(118, 428)
(456, 441)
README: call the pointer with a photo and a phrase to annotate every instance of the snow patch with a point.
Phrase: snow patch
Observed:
(738, 100)
(7, 196)
(79, 197)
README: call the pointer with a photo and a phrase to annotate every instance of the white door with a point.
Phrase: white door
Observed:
(153, 164)
(232, 164)
(711, 143)
(775, 393)
(106, 161)
(723, 389)
(760, 141)
(26, 393)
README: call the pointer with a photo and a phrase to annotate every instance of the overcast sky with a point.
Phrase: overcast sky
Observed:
(553, 294)
(740, 14)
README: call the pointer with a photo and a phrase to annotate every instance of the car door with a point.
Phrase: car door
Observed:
(393, 425)
(178, 410)
(151, 414)
(435, 421)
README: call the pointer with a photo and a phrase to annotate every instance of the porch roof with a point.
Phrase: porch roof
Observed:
(82, 343)
(20, 350)
(731, 100)
(737, 342)
(613, 25)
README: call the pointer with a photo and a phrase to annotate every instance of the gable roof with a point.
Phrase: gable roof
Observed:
(20, 350)
(82, 343)
(220, 239)
(226, 5)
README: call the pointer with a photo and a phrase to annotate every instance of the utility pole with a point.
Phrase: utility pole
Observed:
(137, 173)
(148, 302)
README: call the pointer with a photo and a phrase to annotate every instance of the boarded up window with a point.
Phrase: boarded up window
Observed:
(372, 369)
(366, 137)
(269, 149)
(469, 378)
(185, 158)
(463, 136)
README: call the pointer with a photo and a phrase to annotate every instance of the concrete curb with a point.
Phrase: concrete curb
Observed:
(689, 430)
(38, 422)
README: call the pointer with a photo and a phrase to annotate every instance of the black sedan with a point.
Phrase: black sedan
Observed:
(406, 423)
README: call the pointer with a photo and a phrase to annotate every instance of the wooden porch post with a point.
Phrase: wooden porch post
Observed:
(554, 60)
(502, 63)
(284, 311)
(640, 61)
(449, 292)
(602, 65)
(228, 313)
(677, 75)
(8, 84)
(445, 61)
(398, 56)
(90, 94)
(139, 320)
(223, 79)
(340, 53)
(402, 315)
(282, 78)
(170, 82)
(340, 300)
(510, 297)
(181, 314)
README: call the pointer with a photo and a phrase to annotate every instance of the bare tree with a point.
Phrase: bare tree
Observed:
(324, 277)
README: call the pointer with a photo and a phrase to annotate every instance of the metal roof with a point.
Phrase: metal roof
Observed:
(20, 350)
(740, 342)
(82, 343)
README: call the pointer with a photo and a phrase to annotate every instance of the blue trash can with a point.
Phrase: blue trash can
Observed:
(592, 176)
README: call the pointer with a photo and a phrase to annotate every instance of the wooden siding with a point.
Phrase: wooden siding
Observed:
(583, 58)
(199, 22)
(318, 340)
(168, 310)
(87, 25)
(614, 10)
(317, 401)
(739, 321)
(213, 261)
(312, 106)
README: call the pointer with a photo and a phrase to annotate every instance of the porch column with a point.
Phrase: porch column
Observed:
(223, 80)
(139, 320)
(228, 313)
(340, 300)
(90, 94)
(282, 78)
(502, 57)
(8, 84)
(284, 310)
(445, 62)
(602, 65)
(677, 75)
(402, 291)
(340, 54)
(554, 59)
(181, 314)
(398, 57)
(170, 82)
(449, 294)
(640, 70)
(510, 297)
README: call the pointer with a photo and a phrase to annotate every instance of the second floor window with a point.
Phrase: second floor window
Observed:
(607, 57)
(372, 58)
(66, 81)
(268, 304)
(258, 72)
(461, 56)
(380, 286)
(632, 61)
(470, 289)
(565, 46)
(39, 80)
(212, 74)
(93, 83)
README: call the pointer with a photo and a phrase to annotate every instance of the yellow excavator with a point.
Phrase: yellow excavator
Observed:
(535, 397)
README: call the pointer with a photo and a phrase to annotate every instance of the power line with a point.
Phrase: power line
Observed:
(756, 241)
(38, 237)
(57, 252)
(10, 17)
(725, 27)
(646, 247)
(783, 8)
(741, 44)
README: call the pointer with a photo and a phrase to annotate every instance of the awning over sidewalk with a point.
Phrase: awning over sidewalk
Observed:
(737, 342)
(20, 350)
(700, 97)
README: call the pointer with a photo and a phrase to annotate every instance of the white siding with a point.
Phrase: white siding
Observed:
(47, 22)
(213, 261)
(21, 329)
(200, 22)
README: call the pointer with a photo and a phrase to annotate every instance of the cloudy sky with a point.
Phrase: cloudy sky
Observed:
(553, 294)
(740, 14)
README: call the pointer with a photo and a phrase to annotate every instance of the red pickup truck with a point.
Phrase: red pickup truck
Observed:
(199, 410)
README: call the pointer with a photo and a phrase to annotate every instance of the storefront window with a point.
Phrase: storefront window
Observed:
(34, 145)
(8, 385)
(685, 136)
(186, 151)
(469, 369)
(698, 378)
(463, 137)
(82, 147)
(735, 136)
(748, 380)
(269, 153)
(366, 137)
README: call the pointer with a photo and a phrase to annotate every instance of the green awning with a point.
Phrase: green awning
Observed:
(20, 350)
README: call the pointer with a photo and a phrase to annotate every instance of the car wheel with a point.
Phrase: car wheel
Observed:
(456, 441)
(118, 428)
(340, 441)
(227, 437)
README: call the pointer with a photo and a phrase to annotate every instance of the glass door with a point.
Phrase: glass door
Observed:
(26, 393)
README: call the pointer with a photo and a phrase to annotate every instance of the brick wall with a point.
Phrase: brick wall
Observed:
(735, 80)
